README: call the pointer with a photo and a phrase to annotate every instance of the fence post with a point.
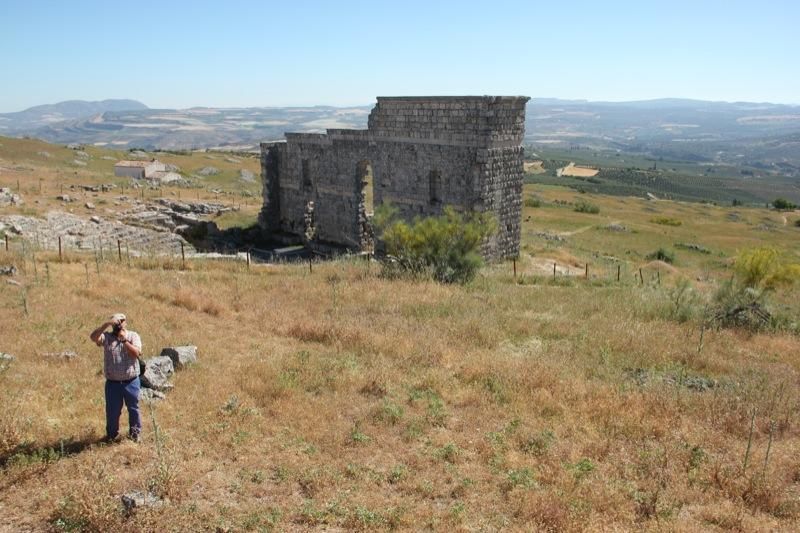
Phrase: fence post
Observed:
(586, 274)
(641, 277)
(310, 269)
(554, 270)
(6, 236)
(618, 270)
(515, 268)
(248, 259)
(119, 250)
(183, 257)
(60, 256)
(658, 276)
(86, 268)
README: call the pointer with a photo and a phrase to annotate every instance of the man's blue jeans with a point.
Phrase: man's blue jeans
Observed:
(117, 393)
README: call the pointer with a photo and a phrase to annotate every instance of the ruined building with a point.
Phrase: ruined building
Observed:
(419, 153)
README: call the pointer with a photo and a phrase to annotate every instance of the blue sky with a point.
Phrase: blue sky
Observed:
(278, 53)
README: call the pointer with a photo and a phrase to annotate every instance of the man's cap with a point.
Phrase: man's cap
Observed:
(118, 317)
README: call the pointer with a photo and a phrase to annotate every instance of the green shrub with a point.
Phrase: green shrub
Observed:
(666, 221)
(586, 207)
(763, 269)
(797, 222)
(445, 248)
(743, 302)
(532, 201)
(783, 204)
(662, 254)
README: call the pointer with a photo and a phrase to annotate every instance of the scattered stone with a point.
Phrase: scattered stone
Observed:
(75, 146)
(208, 171)
(169, 167)
(82, 154)
(138, 499)
(67, 354)
(14, 282)
(181, 356)
(157, 373)
(89, 205)
(66, 198)
(79, 162)
(551, 236)
(108, 158)
(9, 198)
(246, 175)
(151, 395)
(617, 227)
(96, 219)
(46, 155)
(233, 160)
(693, 247)
(6, 357)
(8, 270)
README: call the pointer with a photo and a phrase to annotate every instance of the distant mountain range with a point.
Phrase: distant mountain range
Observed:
(766, 135)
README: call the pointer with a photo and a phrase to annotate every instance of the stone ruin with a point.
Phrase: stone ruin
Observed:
(419, 153)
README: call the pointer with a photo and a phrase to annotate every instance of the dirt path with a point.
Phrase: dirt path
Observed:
(585, 228)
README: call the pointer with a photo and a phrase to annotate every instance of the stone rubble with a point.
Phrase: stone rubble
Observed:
(7, 197)
(159, 369)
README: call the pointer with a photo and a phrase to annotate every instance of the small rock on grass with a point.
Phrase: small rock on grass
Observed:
(137, 499)
(181, 356)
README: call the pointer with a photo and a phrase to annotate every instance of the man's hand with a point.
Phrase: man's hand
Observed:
(98, 333)
(123, 334)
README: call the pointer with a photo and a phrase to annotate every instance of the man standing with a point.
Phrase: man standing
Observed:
(121, 351)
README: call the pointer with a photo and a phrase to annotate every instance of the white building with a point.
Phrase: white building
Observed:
(138, 169)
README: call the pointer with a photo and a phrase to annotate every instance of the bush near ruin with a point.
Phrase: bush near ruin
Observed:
(444, 248)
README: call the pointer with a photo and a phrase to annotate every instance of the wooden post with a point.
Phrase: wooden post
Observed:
(310, 269)
(248, 259)
(128, 254)
(40, 186)
(618, 271)
(86, 268)
(47, 272)
(183, 257)
(658, 276)
(515, 268)
(586, 273)
(60, 255)
(18, 190)
(6, 236)
(554, 270)
(641, 277)
(119, 250)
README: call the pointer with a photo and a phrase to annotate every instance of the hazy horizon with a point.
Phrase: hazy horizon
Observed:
(373, 102)
(260, 54)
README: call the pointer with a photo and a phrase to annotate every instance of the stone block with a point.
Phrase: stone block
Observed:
(181, 356)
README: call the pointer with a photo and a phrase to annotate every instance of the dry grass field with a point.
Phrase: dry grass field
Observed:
(577, 171)
(339, 400)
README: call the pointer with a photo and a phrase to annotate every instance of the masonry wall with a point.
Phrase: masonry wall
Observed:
(425, 154)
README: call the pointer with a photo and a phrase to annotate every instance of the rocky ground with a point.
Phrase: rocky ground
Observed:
(152, 226)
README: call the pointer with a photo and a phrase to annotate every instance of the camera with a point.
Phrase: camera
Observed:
(116, 328)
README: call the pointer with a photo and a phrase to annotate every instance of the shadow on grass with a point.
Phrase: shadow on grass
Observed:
(28, 454)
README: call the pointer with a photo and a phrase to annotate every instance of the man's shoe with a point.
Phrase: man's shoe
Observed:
(134, 437)
(109, 439)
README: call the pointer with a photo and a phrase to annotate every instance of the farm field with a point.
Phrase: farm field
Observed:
(337, 399)
(626, 174)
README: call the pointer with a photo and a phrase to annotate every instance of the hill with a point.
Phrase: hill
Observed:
(28, 121)
(334, 398)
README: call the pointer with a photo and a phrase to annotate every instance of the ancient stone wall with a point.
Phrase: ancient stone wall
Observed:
(424, 153)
